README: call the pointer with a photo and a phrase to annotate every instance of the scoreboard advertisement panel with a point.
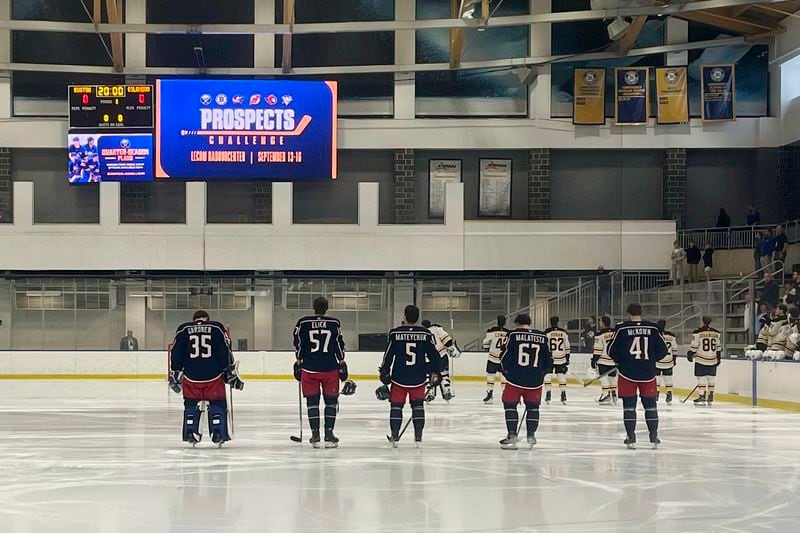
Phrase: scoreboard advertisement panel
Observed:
(110, 106)
(246, 129)
(105, 156)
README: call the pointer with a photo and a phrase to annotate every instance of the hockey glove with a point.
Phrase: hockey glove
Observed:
(349, 387)
(296, 369)
(382, 393)
(594, 361)
(343, 373)
(434, 379)
(385, 376)
(454, 351)
(175, 378)
(690, 356)
(761, 346)
(232, 378)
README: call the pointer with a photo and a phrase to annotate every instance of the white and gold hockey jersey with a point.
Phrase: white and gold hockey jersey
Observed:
(558, 342)
(792, 342)
(601, 340)
(672, 351)
(444, 341)
(770, 335)
(706, 346)
(495, 341)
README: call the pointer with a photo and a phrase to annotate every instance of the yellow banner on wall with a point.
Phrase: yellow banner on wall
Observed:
(672, 93)
(589, 96)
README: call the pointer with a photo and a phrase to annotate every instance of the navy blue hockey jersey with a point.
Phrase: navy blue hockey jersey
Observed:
(411, 355)
(636, 347)
(526, 358)
(318, 343)
(201, 349)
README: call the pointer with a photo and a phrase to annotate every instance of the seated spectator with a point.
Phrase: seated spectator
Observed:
(724, 219)
(753, 216)
(781, 241)
(769, 290)
(693, 257)
(789, 293)
(708, 260)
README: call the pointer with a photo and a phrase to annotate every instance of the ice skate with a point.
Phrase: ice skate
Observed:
(614, 397)
(547, 397)
(314, 440)
(630, 442)
(531, 440)
(654, 440)
(418, 440)
(216, 438)
(510, 442)
(700, 400)
(563, 397)
(193, 439)
(669, 397)
(710, 398)
(489, 397)
(394, 439)
(330, 439)
(605, 399)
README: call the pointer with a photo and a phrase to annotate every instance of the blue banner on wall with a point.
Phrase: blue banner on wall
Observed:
(96, 157)
(632, 95)
(246, 129)
(719, 92)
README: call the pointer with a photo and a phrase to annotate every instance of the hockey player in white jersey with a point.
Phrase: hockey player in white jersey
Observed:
(558, 342)
(791, 348)
(445, 344)
(768, 345)
(706, 352)
(664, 367)
(602, 362)
(494, 341)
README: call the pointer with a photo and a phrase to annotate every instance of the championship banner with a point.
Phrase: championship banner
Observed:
(672, 92)
(718, 92)
(246, 129)
(589, 96)
(632, 96)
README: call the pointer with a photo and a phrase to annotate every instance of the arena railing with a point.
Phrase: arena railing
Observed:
(735, 237)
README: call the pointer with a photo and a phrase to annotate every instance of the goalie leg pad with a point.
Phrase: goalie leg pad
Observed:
(191, 420)
(218, 420)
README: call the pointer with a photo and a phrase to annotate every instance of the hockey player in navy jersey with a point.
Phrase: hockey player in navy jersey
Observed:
(525, 361)
(201, 363)
(411, 356)
(319, 349)
(636, 347)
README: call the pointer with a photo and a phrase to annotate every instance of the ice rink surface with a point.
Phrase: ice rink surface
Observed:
(92, 456)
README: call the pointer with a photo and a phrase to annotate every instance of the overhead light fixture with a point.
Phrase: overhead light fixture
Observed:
(617, 28)
(43, 293)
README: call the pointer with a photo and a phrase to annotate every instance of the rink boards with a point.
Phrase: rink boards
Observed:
(775, 381)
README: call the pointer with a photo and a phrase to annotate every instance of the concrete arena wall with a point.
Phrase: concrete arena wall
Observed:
(776, 380)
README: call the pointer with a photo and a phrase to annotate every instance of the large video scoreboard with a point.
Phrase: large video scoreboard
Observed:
(201, 129)
(110, 106)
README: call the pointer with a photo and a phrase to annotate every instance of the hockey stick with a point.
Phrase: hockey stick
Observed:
(229, 402)
(300, 413)
(600, 377)
(690, 394)
(522, 420)
(401, 431)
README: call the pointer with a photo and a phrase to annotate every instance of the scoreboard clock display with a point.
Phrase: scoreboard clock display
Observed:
(110, 106)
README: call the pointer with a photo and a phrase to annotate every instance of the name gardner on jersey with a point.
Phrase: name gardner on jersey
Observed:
(201, 362)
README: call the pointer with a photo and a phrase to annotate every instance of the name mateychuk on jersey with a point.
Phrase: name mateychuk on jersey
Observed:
(245, 120)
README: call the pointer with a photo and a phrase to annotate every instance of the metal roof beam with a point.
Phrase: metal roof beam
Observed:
(357, 27)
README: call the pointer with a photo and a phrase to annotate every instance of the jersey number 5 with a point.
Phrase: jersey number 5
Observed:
(411, 354)
(525, 352)
(639, 347)
(201, 346)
